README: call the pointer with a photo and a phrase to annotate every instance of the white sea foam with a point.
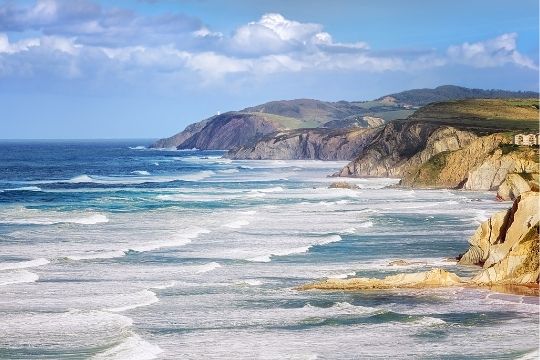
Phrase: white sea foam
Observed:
(140, 147)
(68, 331)
(428, 321)
(533, 355)
(296, 250)
(341, 276)
(23, 264)
(366, 224)
(165, 286)
(90, 220)
(207, 267)
(228, 171)
(133, 348)
(17, 276)
(340, 308)
(25, 188)
(141, 172)
(251, 282)
(81, 179)
(90, 255)
(132, 301)
(237, 224)
(271, 190)
(346, 231)
(179, 239)
(112, 180)
(23, 216)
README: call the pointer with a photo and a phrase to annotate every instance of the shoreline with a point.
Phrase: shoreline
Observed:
(504, 247)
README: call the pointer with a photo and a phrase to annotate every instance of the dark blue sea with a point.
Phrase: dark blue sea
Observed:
(111, 250)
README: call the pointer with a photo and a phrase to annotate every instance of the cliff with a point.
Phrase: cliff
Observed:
(453, 145)
(507, 245)
(308, 113)
(222, 132)
(237, 128)
(319, 144)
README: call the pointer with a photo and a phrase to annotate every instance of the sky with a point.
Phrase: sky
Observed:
(72, 69)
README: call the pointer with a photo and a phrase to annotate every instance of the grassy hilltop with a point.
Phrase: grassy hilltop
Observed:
(483, 115)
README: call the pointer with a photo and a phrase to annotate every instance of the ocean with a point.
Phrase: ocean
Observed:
(110, 250)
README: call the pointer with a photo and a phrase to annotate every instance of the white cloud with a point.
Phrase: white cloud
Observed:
(94, 39)
(274, 34)
(495, 52)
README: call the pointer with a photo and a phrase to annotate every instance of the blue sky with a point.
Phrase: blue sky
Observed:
(147, 68)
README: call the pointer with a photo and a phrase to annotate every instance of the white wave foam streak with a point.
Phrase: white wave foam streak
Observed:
(207, 267)
(237, 224)
(341, 276)
(24, 216)
(17, 276)
(170, 240)
(533, 355)
(132, 348)
(200, 197)
(90, 255)
(63, 332)
(297, 250)
(181, 239)
(427, 321)
(23, 264)
(229, 171)
(251, 282)
(141, 172)
(24, 188)
(132, 301)
(130, 180)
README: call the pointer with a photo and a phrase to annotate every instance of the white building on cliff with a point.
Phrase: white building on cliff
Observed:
(526, 139)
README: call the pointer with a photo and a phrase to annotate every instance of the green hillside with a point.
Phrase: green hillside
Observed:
(420, 97)
(483, 115)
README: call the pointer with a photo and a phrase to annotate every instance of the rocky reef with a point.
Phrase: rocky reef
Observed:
(432, 278)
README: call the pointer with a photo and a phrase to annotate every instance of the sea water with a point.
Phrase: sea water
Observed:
(110, 250)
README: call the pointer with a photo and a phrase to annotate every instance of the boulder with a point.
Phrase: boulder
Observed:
(343, 185)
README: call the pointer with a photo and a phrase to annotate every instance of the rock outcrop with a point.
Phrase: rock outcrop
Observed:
(517, 184)
(222, 132)
(494, 169)
(432, 278)
(355, 121)
(343, 185)
(317, 144)
(506, 245)
(452, 168)
(403, 146)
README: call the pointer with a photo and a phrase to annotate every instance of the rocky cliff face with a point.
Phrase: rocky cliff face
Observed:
(402, 146)
(495, 168)
(517, 184)
(507, 245)
(426, 154)
(222, 132)
(451, 168)
(319, 144)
